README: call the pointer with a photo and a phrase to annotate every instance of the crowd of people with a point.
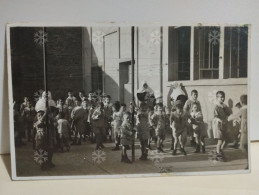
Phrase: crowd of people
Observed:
(93, 118)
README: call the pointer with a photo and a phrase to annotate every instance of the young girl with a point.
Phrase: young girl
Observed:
(123, 108)
(219, 123)
(44, 139)
(188, 108)
(179, 124)
(197, 127)
(117, 121)
(152, 133)
(40, 129)
(29, 114)
(143, 130)
(98, 123)
(63, 132)
(91, 108)
(243, 114)
(127, 136)
(78, 122)
(236, 128)
(63, 108)
(159, 122)
(108, 116)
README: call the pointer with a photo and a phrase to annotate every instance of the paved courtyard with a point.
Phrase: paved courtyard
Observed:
(84, 160)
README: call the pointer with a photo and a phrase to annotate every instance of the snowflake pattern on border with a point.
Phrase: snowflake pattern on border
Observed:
(40, 37)
(156, 157)
(98, 37)
(98, 156)
(40, 156)
(155, 37)
(212, 158)
(164, 169)
(214, 37)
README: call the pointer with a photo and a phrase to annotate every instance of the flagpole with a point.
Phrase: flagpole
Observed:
(132, 86)
(45, 83)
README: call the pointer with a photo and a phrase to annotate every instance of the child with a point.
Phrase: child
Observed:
(63, 132)
(236, 128)
(98, 121)
(90, 97)
(197, 127)
(23, 115)
(219, 123)
(193, 99)
(143, 130)
(44, 140)
(85, 106)
(78, 122)
(117, 121)
(187, 107)
(108, 116)
(158, 122)
(91, 108)
(127, 136)
(63, 108)
(18, 126)
(24, 104)
(243, 114)
(29, 114)
(123, 108)
(179, 123)
(81, 95)
(152, 134)
(70, 101)
(40, 129)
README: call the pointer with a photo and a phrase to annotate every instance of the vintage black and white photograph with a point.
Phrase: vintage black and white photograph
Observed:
(128, 101)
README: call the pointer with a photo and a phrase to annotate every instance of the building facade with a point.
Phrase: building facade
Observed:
(205, 58)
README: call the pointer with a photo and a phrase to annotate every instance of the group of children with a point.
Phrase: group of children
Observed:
(95, 118)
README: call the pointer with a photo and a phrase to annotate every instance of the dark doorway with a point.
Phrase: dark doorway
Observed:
(123, 79)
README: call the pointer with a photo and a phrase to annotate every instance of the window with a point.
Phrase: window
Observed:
(179, 49)
(206, 52)
(235, 52)
(97, 82)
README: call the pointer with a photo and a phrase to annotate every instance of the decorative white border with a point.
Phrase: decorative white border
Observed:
(110, 24)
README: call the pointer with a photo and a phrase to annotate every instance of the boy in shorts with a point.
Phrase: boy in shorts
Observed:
(221, 114)
(179, 123)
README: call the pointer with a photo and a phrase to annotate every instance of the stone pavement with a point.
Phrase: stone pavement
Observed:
(81, 161)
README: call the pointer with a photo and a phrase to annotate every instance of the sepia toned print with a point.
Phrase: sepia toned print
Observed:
(112, 101)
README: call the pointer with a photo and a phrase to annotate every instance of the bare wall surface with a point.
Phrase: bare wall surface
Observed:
(167, 12)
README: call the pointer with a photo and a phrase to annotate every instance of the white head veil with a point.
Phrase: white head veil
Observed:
(177, 90)
(142, 89)
(41, 103)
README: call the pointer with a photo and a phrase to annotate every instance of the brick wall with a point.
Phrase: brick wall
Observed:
(64, 60)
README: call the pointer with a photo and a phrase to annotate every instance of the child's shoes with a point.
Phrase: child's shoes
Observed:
(116, 148)
(197, 149)
(183, 151)
(203, 149)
